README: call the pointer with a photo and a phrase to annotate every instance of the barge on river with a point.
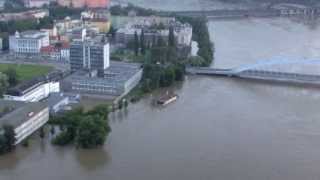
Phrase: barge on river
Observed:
(167, 99)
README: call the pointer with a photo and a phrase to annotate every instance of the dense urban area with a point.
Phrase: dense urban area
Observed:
(72, 70)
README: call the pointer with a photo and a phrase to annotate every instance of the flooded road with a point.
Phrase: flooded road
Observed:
(218, 129)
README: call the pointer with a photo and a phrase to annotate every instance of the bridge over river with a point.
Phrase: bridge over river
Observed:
(241, 13)
(255, 72)
(235, 13)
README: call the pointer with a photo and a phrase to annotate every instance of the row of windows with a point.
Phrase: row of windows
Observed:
(95, 89)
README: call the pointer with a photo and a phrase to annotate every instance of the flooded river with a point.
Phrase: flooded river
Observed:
(218, 129)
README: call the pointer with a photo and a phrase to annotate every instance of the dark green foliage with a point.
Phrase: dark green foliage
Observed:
(53, 130)
(62, 139)
(123, 11)
(171, 40)
(142, 43)
(158, 54)
(120, 105)
(167, 77)
(3, 146)
(125, 103)
(26, 142)
(85, 129)
(46, 23)
(9, 136)
(3, 84)
(179, 71)
(101, 110)
(12, 75)
(136, 43)
(42, 133)
(59, 12)
(92, 132)
(202, 36)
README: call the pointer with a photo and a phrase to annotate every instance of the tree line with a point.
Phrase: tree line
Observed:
(8, 78)
(162, 66)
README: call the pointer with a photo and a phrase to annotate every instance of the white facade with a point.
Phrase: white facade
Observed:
(183, 34)
(65, 54)
(106, 56)
(1, 44)
(38, 93)
(31, 125)
(36, 3)
(29, 42)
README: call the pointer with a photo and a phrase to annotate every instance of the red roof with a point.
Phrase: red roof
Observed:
(55, 48)
(48, 49)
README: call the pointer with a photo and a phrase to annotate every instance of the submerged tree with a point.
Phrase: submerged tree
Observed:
(92, 132)
(9, 136)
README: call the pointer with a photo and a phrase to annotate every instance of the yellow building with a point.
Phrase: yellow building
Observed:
(102, 24)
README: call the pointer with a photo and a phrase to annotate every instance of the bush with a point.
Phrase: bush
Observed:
(64, 138)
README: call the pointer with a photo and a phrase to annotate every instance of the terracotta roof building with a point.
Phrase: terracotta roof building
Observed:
(84, 3)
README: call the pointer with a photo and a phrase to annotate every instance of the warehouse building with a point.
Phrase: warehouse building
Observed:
(117, 80)
(35, 89)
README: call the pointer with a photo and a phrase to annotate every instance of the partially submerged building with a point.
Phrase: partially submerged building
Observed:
(25, 118)
(117, 80)
(57, 102)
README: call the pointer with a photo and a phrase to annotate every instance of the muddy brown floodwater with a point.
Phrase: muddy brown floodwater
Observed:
(218, 129)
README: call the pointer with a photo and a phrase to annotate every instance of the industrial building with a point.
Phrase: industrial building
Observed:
(57, 102)
(26, 118)
(117, 80)
(36, 89)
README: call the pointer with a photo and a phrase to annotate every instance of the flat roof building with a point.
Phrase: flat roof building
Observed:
(57, 102)
(26, 118)
(35, 89)
(117, 80)
(92, 53)
(28, 42)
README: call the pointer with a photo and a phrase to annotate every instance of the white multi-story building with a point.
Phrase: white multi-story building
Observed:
(33, 90)
(36, 3)
(154, 28)
(25, 118)
(92, 53)
(28, 42)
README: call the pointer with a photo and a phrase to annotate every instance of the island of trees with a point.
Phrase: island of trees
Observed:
(83, 129)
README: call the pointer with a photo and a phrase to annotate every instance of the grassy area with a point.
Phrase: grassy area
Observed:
(26, 71)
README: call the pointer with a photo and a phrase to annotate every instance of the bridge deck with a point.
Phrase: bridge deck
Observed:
(257, 74)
